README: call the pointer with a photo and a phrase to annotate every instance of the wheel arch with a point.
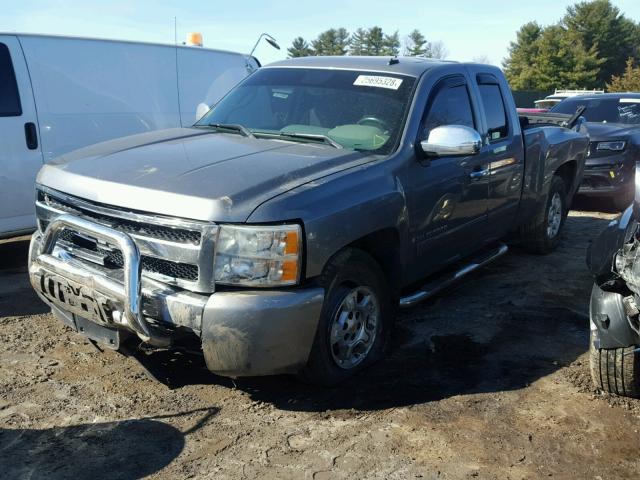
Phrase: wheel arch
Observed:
(383, 246)
(567, 172)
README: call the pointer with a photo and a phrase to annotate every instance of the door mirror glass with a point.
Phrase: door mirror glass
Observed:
(201, 109)
(451, 140)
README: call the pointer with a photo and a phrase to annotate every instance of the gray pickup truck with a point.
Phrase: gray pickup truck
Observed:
(280, 233)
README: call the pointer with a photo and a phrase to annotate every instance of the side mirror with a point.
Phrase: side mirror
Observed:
(451, 140)
(201, 109)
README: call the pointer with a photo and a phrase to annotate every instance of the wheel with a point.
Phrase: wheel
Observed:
(615, 370)
(542, 235)
(354, 322)
(623, 200)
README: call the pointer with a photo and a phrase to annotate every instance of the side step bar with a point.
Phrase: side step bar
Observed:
(430, 289)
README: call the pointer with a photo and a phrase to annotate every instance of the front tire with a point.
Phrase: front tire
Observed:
(615, 370)
(355, 319)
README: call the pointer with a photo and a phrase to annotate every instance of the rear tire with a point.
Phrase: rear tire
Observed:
(615, 370)
(355, 319)
(543, 234)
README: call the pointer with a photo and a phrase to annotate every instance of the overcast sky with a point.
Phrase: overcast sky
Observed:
(468, 28)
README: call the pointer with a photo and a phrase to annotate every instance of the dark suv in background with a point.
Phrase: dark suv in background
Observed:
(613, 124)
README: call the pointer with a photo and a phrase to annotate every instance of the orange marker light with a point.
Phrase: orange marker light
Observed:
(289, 271)
(292, 241)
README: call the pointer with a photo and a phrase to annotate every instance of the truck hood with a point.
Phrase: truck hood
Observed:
(193, 173)
(609, 131)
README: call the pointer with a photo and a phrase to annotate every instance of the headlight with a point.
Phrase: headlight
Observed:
(614, 146)
(258, 256)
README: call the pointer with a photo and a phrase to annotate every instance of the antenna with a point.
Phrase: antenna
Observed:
(175, 31)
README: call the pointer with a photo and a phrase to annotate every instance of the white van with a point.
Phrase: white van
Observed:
(58, 94)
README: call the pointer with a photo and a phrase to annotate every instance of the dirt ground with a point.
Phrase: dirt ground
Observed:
(489, 380)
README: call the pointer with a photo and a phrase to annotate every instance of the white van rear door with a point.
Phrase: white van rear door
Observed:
(20, 153)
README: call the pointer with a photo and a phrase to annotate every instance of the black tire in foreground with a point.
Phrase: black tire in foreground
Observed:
(542, 235)
(615, 370)
(355, 319)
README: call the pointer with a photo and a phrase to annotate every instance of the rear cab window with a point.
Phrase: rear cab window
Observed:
(494, 108)
(9, 96)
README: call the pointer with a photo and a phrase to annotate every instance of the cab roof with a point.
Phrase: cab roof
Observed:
(412, 66)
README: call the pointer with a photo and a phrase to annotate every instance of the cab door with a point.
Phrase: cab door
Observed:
(448, 195)
(20, 153)
(503, 151)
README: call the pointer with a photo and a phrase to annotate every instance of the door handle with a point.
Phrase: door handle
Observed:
(479, 173)
(31, 135)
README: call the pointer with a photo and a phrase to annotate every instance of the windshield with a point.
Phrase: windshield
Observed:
(353, 110)
(606, 110)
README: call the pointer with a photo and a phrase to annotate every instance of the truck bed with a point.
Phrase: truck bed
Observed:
(530, 120)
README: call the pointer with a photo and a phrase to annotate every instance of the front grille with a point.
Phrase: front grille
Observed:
(112, 258)
(161, 232)
(172, 250)
(184, 271)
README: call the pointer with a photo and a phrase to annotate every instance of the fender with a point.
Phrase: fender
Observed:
(609, 321)
(601, 252)
(341, 208)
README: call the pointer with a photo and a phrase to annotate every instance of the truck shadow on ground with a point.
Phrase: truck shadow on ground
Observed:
(524, 347)
(593, 204)
(440, 366)
(118, 450)
(17, 298)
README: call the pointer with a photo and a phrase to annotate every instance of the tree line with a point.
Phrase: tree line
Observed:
(367, 41)
(592, 46)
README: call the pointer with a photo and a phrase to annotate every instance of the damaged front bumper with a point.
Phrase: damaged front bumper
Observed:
(242, 333)
(614, 261)
(606, 180)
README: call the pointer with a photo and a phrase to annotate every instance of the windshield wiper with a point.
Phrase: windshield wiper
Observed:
(312, 136)
(234, 127)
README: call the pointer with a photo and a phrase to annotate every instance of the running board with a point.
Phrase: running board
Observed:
(430, 289)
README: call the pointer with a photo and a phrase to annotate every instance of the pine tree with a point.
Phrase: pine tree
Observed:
(359, 42)
(331, 42)
(391, 44)
(519, 66)
(415, 44)
(299, 48)
(375, 41)
(599, 25)
(563, 62)
(629, 81)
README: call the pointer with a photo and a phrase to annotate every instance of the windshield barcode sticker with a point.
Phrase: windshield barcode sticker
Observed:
(376, 81)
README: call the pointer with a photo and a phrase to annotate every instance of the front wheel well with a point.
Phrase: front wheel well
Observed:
(567, 172)
(384, 247)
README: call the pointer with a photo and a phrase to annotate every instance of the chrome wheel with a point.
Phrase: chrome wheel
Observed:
(354, 327)
(555, 216)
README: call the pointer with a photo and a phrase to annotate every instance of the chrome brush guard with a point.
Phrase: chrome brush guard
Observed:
(126, 294)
